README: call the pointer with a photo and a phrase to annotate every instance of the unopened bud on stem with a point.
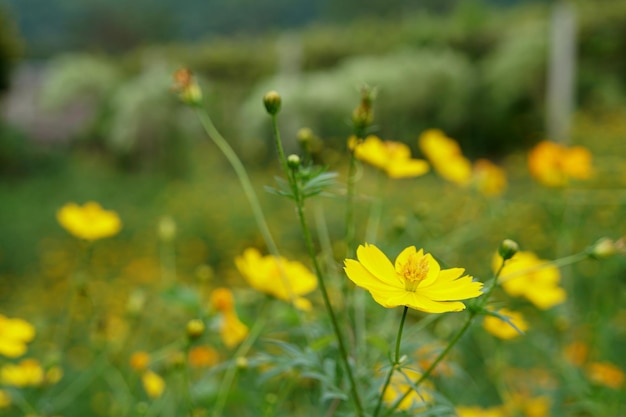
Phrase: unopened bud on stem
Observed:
(293, 161)
(272, 102)
(508, 248)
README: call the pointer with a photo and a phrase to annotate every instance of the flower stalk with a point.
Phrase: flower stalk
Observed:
(395, 364)
(299, 200)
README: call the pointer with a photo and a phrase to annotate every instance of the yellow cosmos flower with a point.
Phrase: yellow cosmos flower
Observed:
(605, 373)
(89, 222)
(524, 276)
(400, 383)
(488, 178)
(5, 399)
(276, 276)
(153, 384)
(15, 334)
(416, 280)
(392, 157)
(553, 164)
(445, 156)
(502, 329)
(26, 373)
(475, 411)
(232, 330)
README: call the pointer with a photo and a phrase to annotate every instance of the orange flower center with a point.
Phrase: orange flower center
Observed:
(414, 271)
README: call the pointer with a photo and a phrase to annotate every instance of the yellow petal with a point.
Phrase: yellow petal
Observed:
(419, 302)
(407, 169)
(378, 265)
(364, 279)
(460, 289)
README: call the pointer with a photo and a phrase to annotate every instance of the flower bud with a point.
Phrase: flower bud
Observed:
(272, 102)
(363, 115)
(508, 248)
(293, 161)
(304, 135)
(241, 362)
(167, 229)
(188, 89)
(195, 328)
(605, 248)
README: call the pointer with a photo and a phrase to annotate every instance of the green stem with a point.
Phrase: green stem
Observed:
(350, 192)
(244, 179)
(343, 353)
(395, 363)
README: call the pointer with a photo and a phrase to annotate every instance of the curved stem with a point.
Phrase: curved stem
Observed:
(395, 363)
(244, 179)
(343, 352)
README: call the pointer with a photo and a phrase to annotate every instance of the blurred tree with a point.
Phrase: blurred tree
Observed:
(10, 48)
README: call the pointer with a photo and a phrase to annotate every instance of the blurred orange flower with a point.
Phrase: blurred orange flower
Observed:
(140, 360)
(392, 157)
(28, 372)
(502, 329)
(553, 164)
(203, 357)
(232, 330)
(528, 276)
(89, 222)
(15, 334)
(277, 276)
(445, 156)
(576, 353)
(488, 178)
(416, 280)
(605, 373)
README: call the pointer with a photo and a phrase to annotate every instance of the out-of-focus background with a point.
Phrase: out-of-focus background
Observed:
(87, 111)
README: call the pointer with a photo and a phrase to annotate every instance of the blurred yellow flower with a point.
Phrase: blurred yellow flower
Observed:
(5, 399)
(475, 411)
(232, 330)
(400, 383)
(445, 156)
(153, 384)
(523, 275)
(605, 373)
(15, 334)
(140, 360)
(502, 329)
(26, 373)
(488, 178)
(202, 357)
(416, 281)
(277, 276)
(89, 222)
(53, 375)
(392, 157)
(553, 164)
(523, 404)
